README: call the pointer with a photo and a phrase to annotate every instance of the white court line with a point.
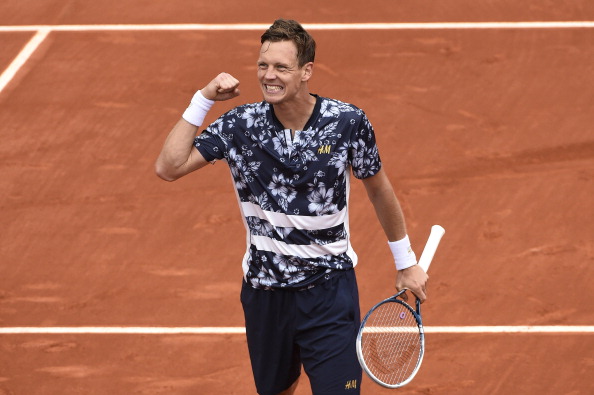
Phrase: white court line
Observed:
(43, 30)
(22, 57)
(511, 329)
(311, 26)
(121, 330)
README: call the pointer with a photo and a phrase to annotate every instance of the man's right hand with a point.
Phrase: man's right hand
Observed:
(223, 87)
(415, 279)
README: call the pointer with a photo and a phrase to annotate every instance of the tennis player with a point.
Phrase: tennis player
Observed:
(291, 156)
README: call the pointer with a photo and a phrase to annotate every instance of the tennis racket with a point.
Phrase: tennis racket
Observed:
(391, 339)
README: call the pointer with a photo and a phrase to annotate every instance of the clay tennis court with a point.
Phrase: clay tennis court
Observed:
(484, 129)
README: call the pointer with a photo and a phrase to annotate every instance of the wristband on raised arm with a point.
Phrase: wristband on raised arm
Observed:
(197, 110)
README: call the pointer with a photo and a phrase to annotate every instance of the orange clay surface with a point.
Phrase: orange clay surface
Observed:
(486, 132)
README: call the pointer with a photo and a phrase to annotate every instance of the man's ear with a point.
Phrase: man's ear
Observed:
(307, 71)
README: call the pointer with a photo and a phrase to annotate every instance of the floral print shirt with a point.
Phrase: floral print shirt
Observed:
(293, 189)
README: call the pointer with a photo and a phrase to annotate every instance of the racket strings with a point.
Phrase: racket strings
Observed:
(391, 343)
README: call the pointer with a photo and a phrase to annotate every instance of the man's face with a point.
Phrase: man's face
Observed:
(281, 78)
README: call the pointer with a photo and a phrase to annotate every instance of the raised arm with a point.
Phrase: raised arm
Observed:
(389, 213)
(178, 156)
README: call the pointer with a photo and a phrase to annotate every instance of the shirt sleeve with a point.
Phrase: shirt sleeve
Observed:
(364, 155)
(210, 143)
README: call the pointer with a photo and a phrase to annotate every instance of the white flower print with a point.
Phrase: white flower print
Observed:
(309, 156)
(217, 126)
(281, 186)
(312, 138)
(262, 201)
(283, 232)
(259, 227)
(297, 277)
(358, 152)
(252, 116)
(321, 200)
(280, 146)
(339, 158)
(329, 109)
(328, 131)
(241, 170)
(285, 266)
(262, 139)
(265, 278)
(364, 159)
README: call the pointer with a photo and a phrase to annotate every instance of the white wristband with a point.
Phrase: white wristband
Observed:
(197, 109)
(404, 256)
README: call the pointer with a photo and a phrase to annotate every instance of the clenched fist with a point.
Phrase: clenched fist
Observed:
(223, 87)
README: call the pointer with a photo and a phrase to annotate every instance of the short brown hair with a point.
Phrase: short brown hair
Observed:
(290, 30)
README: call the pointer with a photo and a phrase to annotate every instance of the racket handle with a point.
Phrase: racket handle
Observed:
(431, 246)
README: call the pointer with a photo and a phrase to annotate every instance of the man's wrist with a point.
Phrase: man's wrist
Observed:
(404, 256)
(197, 110)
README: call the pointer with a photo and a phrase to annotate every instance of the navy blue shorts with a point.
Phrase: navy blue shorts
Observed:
(316, 327)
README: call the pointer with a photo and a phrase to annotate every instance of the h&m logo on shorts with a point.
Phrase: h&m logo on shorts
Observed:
(324, 149)
(350, 385)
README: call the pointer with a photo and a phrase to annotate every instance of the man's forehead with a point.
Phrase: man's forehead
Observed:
(279, 48)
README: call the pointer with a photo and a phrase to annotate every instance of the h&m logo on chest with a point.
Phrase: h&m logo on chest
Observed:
(324, 149)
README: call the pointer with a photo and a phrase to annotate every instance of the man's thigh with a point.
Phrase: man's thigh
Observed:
(270, 336)
(328, 320)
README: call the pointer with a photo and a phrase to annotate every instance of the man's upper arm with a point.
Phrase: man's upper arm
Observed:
(377, 183)
(194, 162)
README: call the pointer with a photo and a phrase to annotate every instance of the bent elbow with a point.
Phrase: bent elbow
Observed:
(163, 173)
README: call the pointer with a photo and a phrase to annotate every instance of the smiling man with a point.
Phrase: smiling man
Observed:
(283, 73)
(291, 157)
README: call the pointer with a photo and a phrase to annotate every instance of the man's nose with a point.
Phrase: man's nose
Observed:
(270, 74)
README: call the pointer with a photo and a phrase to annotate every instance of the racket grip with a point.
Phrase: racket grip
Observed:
(431, 246)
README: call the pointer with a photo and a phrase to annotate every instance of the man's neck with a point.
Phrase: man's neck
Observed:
(295, 115)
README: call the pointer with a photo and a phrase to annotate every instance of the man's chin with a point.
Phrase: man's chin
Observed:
(272, 99)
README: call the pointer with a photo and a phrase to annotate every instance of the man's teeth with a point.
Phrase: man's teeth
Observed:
(272, 88)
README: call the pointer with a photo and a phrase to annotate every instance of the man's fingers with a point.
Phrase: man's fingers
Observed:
(227, 87)
(420, 293)
(226, 83)
(404, 296)
(223, 87)
(415, 280)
